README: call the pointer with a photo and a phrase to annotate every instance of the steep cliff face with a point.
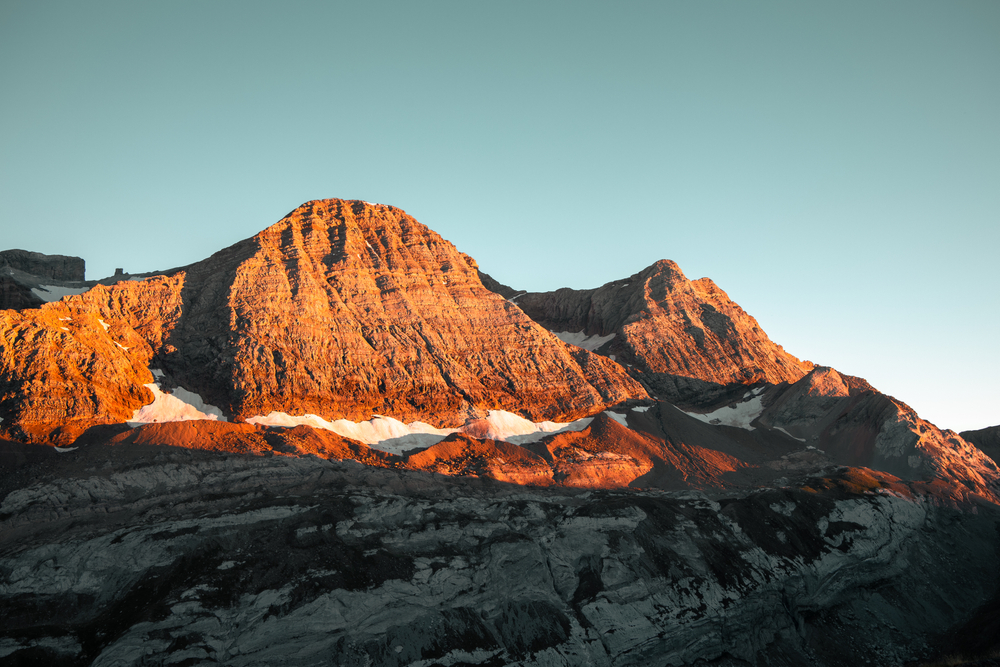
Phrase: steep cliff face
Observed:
(686, 336)
(22, 271)
(343, 309)
(83, 360)
(56, 267)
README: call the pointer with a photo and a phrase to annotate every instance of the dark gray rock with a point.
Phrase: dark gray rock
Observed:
(986, 439)
(115, 556)
(56, 267)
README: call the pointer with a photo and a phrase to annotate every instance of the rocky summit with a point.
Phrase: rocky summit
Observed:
(686, 335)
(340, 443)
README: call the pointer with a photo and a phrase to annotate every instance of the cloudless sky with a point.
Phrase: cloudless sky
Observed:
(835, 167)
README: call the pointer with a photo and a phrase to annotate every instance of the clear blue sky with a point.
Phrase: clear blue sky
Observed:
(835, 167)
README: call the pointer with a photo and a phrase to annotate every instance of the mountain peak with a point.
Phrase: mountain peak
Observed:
(687, 336)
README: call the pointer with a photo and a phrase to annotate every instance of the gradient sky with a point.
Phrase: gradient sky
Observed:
(835, 167)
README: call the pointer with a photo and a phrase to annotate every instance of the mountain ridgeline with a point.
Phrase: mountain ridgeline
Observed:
(339, 442)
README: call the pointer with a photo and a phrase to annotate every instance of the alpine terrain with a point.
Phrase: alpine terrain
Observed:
(339, 442)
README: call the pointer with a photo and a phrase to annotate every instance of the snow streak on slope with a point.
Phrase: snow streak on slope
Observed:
(179, 405)
(739, 415)
(580, 339)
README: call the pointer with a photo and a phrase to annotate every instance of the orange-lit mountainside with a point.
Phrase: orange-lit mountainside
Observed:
(340, 443)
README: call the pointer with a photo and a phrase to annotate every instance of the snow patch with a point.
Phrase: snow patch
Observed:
(63, 450)
(393, 436)
(640, 408)
(179, 405)
(104, 324)
(617, 417)
(778, 428)
(49, 293)
(509, 427)
(739, 415)
(376, 430)
(580, 339)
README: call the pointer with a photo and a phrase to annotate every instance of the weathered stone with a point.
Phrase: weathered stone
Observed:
(56, 267)
(687, 337)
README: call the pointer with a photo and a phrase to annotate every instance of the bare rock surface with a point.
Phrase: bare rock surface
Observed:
(346, 309)
(343, 309)
(686, 336)
(986, 439)
(83, 360)
(55, 267)
(131, 554)
(854, 424)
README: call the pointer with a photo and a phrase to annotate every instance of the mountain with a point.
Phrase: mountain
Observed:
(629, 475)
(342, 309)
(686, 336)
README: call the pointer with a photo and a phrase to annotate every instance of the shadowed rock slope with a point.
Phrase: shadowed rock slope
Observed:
(986, 439)
(342, 309)
(132, 555)
(686, 336)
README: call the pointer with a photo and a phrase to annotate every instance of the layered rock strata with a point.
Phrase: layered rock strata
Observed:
(686, 336)
(125, 555)
(343, 309)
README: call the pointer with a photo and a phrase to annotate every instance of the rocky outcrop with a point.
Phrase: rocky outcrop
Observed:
(55, 267)
(854, 424)
(22, 271)
(687, 337)
(132, 555)
(343, 309)
(16, 296)
(82, 361)
(986, 439)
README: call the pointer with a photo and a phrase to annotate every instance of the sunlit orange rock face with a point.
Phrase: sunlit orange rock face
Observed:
(682, 333)
(342, 309)
(83, 361)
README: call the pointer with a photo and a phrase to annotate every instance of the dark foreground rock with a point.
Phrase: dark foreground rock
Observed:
(136, 555)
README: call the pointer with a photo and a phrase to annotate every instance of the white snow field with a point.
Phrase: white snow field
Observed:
(393, 436)
(179, 405)
(739, 415)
